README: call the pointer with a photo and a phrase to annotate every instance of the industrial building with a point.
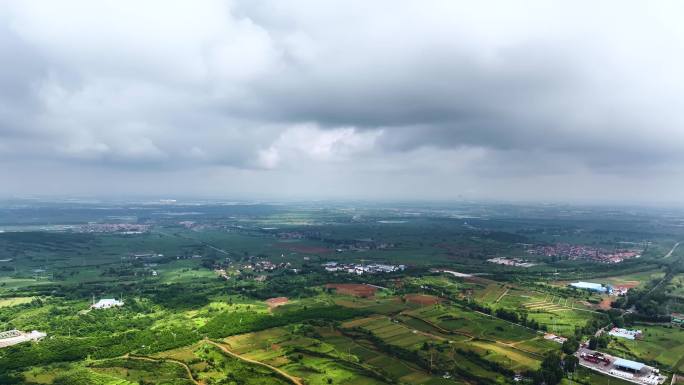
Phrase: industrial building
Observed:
(628, 365)
(13, 337)
(597, 287)
(625, 333)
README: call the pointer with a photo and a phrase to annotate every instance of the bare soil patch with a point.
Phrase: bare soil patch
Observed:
(355, 289)
(422, 299)
(275, 302)
(605, 303)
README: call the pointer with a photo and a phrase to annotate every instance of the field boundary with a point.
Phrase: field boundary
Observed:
(292, 379)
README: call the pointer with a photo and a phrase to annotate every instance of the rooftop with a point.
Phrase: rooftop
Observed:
(629, 364)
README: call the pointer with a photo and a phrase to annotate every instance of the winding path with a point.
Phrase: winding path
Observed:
(150, 359)
(294, 380)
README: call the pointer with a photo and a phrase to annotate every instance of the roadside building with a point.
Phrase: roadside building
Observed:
(625, 333)
(677, 319)
(555, 338)
(629, 365)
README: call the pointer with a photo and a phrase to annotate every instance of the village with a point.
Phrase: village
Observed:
(360, 268)
(583, 252)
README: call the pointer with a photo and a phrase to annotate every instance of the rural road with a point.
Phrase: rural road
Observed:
(669, 254)
(292, 379)
(667, 276)
(209, 245)
(183, 364)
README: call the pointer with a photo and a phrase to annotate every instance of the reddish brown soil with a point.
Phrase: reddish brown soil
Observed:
(355, 289)
(275, 302)
(605, 303)
(422, 299)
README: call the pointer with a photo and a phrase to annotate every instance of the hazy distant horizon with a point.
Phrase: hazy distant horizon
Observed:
(292, 100)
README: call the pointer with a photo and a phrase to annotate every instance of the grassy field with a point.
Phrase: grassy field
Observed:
(589, 377)
(660, 344)
(321, 353)
(13, 301)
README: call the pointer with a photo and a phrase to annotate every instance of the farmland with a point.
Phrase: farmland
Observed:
(218, 294)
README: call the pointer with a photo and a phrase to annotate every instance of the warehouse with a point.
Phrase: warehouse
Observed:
(597, 287)
(628, 365)
(13, 337)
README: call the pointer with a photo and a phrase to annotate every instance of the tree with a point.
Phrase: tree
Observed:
(570, 363)
(570, 346)
(593, 343)
(550, 372)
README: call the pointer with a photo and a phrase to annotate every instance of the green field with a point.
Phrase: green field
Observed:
(661, 345)
(421, 326)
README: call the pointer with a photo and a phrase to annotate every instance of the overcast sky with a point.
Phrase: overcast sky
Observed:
(552, 101)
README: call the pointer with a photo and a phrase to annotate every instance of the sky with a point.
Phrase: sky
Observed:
(563, 101)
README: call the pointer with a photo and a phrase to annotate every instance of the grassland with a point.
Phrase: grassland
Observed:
(661, 345)
(473, 334)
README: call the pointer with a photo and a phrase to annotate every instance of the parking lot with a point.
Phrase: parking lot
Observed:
(606, 364)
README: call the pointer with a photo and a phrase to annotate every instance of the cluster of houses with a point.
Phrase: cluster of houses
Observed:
(120, 228)
(575, 252)
(356, 268)
(13, 337)
(518, 262)
(266, 265)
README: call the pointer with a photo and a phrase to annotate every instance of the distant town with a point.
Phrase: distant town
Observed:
(582, 252)
(357, 268)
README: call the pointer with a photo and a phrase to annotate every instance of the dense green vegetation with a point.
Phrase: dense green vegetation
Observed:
(204, 271)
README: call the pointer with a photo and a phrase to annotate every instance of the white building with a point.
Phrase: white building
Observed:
(625, 333)
(107, 303)
(13, 337)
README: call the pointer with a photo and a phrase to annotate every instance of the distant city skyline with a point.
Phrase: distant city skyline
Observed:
(579, 102)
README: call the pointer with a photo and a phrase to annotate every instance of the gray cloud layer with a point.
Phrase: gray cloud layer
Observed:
(383, 99)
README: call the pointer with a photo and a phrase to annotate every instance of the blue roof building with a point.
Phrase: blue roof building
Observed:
(629, 364)
(592, 286)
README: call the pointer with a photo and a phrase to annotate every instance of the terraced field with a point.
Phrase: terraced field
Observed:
(308, 354)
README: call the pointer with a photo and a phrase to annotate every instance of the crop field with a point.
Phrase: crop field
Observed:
(495, 340)
(307, 353)
(239, 294)
(488, 291)
(209, 364)
(141, 370)
(661, 344)
(561, 321)
(13, 301)
(472, 324)
(387, 305)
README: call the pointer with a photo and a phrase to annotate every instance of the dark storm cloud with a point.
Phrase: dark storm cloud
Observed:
(461, 97)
